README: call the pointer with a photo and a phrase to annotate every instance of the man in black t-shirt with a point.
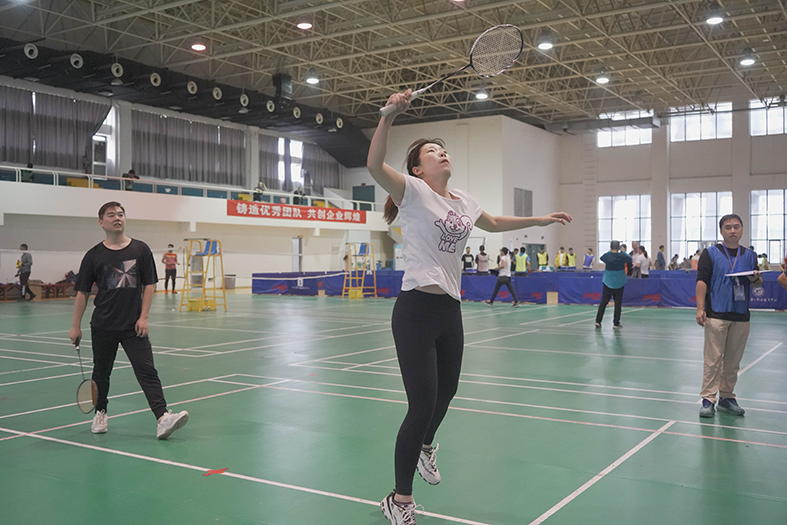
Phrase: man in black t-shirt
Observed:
(467, 260)
(124, 271)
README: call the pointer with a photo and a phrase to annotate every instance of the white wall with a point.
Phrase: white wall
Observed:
(60, 224)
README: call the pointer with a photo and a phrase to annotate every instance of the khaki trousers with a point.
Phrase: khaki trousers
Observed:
(724, 345)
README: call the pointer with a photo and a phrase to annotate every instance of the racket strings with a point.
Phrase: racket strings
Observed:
(496, 50)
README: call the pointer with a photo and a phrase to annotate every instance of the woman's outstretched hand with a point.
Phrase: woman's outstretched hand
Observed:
(562, 218)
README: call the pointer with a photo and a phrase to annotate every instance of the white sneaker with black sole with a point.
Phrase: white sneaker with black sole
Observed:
(398, 514)
(427, 465)
(170, 422)
(100, 423)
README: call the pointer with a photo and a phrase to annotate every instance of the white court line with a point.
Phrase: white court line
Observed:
(116, 396)
(513, 403)
(763, 356)
(369, 364)
(568, 499)
(232, 475)
(512, 310)
(627, 311)
(36, 360)
(376, 349)
(586, 354)
(558, 317)
(516, 334)
(31, 369)
(65, 356)
(52, 377)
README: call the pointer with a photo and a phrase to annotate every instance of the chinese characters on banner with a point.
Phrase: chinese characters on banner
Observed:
(298, 213)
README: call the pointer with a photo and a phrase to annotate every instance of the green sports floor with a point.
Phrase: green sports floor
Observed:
(300, 399)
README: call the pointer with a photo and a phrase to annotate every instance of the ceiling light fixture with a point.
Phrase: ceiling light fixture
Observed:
(482, 94)
(714, 15)
(312, 77)
(748, 57)
(544, 42)
(304, 23)
(602, 77)
(198, 46)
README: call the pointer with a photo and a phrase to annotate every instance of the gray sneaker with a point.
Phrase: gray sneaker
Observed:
(707, 409)
(730, 406)
(170, 422)
(427, 465)
(100, 423)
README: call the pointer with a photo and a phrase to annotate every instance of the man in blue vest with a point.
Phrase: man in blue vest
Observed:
(723, 310)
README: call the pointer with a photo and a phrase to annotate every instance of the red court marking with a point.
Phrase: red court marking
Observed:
(220, 471)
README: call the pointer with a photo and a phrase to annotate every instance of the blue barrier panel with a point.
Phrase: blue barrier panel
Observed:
(481, 287)
(580, 290)
(770, 295)
(679, 291)
(642, 292)
(217, 194)
(8, 175)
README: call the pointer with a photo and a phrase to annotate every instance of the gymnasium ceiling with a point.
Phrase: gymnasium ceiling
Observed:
(659, 54)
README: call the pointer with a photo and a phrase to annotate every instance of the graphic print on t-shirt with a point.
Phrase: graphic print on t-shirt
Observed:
(122, 275)
(455, 228)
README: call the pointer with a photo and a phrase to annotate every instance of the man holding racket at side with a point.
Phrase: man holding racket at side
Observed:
(125, 272)
(427, 319)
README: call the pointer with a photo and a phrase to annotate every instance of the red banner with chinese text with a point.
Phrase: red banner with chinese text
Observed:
(264, 210)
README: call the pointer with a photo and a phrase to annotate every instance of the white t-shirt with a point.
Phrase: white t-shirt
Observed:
(505, 271)
(644, 265)
(434, 230)
(483, 262)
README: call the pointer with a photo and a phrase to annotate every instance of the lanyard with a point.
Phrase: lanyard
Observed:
(737, 254)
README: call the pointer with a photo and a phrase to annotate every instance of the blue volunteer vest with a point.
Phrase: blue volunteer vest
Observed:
(721, 294)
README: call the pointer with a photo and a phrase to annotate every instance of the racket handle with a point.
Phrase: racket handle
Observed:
(387, 110)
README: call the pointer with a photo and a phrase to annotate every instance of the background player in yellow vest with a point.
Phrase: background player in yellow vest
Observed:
(522, 262)
(572, 258)
(543, 259)
(561, 259)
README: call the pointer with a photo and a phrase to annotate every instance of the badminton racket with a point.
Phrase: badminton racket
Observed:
(87, 390)
(492, 53)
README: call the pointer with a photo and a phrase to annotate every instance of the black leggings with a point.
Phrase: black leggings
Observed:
(139, 352)
(504, 280)
(608, 294)
(429, 339)
(170, 274)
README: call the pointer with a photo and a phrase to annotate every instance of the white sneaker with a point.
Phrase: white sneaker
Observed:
(398, 514)
(100, 422)
(427, 465)
(170, 422)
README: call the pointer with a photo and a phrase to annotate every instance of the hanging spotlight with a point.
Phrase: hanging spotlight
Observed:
(244, 100)
(198, 46)
(31, 51)
(192, 87)
(544, 42)
(312, 77)
(270, 106)
(296, 112)
(602, 77)
(304, 23)
(714, 15)
(217, 94)
(748, 57)
(482, 94)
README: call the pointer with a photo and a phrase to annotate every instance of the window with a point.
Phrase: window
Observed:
(625, 135)
(295, 155)
(715, 124)
(624, 218)
(766, 118)
(768, 219)
(694, 221)
(99, 160)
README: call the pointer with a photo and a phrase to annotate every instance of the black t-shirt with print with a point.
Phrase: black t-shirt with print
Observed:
(121, 277)
(467, 261)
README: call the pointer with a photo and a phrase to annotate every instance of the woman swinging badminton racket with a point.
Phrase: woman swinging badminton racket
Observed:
(427, 321)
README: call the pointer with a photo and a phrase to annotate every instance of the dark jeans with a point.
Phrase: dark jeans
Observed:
(501, 280)
(139, 352)
(170, 274)
(429, 339)
(609, 293)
